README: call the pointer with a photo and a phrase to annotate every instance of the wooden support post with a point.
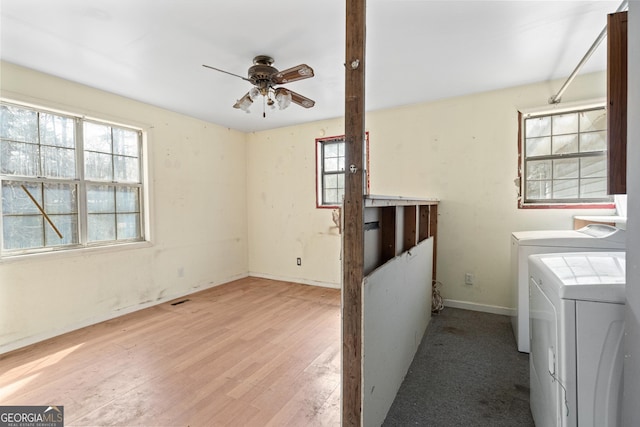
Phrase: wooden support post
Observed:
(353, 243)
(388, 233)
(410, 227)
(617, 102)
(433, 231)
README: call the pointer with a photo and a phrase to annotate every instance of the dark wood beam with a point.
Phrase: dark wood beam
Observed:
(353, 211)
(617, 102)
(410, 227)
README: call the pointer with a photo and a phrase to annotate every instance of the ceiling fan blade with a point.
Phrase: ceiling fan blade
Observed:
(302, 101)
(299, 72)
(226, 72)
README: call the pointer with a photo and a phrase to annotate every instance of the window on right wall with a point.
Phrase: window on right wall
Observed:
(564, 158)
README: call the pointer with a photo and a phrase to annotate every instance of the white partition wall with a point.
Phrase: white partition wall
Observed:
(397, 309)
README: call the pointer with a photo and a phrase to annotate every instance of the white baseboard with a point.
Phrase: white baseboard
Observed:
(15, 345)
(296, 280)
(494, 309)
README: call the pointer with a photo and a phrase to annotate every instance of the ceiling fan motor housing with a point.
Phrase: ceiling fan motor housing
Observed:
(261, 72)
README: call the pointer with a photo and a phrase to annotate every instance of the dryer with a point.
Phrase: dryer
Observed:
(577, 307)
(593, 237)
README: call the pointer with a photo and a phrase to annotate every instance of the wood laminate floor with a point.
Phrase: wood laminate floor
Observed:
(253, 352)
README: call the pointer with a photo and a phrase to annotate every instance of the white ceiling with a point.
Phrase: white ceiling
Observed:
(417, 50)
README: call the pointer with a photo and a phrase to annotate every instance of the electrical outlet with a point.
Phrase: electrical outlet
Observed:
(299, 261)
(468, 279)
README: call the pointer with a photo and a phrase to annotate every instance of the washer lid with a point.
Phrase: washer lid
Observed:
(591, 236)
(588, 276)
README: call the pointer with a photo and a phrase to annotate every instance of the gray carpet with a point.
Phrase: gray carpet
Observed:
(466, 372)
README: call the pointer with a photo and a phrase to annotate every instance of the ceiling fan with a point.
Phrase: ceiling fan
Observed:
(264, 77)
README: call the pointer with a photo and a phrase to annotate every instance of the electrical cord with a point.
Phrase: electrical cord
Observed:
(437, 304)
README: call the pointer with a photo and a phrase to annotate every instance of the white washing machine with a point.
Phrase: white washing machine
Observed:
(577, 324)
(593, 237)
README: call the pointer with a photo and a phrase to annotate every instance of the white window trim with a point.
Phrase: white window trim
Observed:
(520, 181)
(145, 185)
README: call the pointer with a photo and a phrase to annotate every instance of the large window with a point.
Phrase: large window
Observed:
(564, 158)
(330, 153)
(67, 182)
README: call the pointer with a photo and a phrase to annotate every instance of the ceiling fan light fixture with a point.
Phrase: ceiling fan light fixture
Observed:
(244, 103)
(283, 97)
(305, 71)
(254, 93)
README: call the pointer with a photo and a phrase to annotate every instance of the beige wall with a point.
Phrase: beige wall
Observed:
(284, 223)
(197, 179)
(461, 150)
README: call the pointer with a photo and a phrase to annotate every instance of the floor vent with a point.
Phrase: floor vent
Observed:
(180, 302)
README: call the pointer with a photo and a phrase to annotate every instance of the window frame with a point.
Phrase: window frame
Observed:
(81, 183)
(605, 203)
(320, 173)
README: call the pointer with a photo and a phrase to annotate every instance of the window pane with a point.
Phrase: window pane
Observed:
(593, 120)
(128, 226)
(593, 187)
(565, 189)
(565, 144)
(18, 124)
(127, 200)
(538, 146)
(101, 227)
(340, 196)
(56, 130)
(331, 165)
(18, 158)
(330, 197)
(60, 198)
(331, 181)
(593, 167)
(100, 198)
(565, 168)
(538, 189)
(537, 126)
(341, 149)
(16, 201)
(539, 169)
(126, 169)
(341, 181)
(125, 142)
(58, 162)
(330, 150)
(23, 232)
(98, 166)
(67, 225)
(564, 123)
(593, 141)
(97, 137)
